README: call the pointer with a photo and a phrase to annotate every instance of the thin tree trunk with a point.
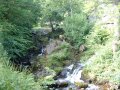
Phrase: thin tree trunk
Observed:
(51, 24)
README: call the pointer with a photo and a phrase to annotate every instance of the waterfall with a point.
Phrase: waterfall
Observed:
(70, 75)
(75, 75)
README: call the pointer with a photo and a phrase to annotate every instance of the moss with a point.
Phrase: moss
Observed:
(81, 84)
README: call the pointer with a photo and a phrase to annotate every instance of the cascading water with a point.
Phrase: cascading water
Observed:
(75, 76)
(71, 75)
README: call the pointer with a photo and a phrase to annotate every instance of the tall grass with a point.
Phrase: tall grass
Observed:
(14, 80)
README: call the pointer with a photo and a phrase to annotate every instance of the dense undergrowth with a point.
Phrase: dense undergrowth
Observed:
(101, 61)
(14, 80)
(16, 20)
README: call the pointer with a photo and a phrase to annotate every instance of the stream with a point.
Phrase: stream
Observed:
(69, 77)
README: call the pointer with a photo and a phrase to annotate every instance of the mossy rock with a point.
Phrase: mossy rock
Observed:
(64, 84)
(85, 74)
(81, 84)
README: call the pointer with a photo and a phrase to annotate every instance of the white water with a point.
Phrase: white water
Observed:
(74, 72)
(76, 75)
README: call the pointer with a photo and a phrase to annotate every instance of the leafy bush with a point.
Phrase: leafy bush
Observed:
(14, 40)
(76, 28)
(16, 20)
(98, 36)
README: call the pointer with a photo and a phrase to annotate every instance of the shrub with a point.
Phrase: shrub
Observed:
(76, 28)
(14, 40)
(98, 36)
(16, 20)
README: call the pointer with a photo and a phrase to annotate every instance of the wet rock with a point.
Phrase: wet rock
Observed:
(82, 89)
(81, 84)
(92, 87)
(64, 72)
(119, 87)
(58, 85)
(59, 81)
(65, 84)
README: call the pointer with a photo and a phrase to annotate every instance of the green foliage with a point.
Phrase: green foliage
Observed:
(3, 56)
(101, 37)
(101, 32)
(89, 5)
(51, 12)
(17, 18)
(20, 12)
(14, 80)
(54, 11)
(104, 65)
(76, 28)
(14, 40)
(58, 58)
(46, 80)
(98, 37)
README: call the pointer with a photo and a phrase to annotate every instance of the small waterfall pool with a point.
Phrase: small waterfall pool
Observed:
(69, 76)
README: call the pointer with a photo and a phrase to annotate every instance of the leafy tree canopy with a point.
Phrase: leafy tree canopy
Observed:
(16, 20)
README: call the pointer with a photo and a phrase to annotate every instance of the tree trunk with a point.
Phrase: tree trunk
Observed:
(51, 24)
